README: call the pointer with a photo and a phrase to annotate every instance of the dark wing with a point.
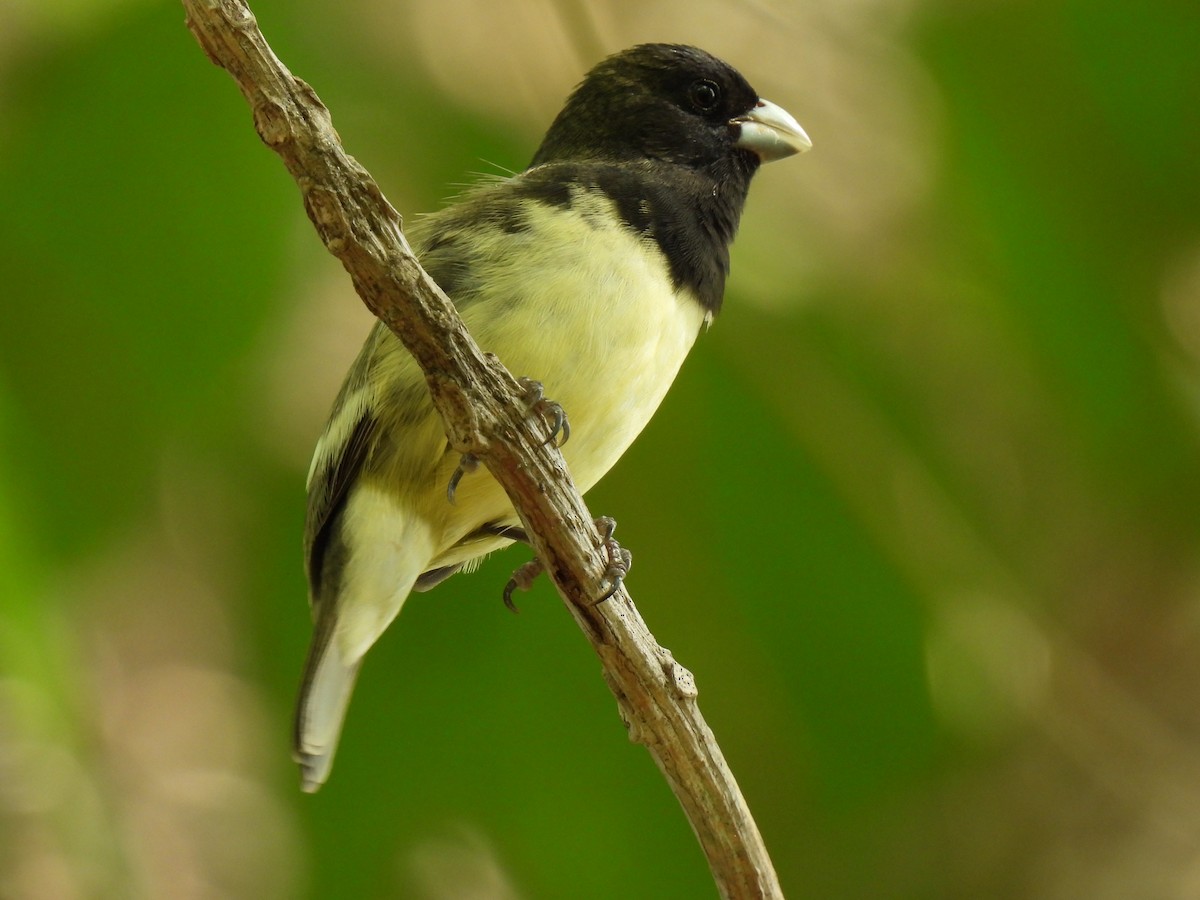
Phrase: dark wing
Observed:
(369, 416)
(340, 456)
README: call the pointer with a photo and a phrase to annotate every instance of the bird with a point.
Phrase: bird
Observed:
(594, 271)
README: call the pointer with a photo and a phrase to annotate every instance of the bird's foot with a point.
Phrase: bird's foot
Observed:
(551, 412)
(535, 399)
(620, 560)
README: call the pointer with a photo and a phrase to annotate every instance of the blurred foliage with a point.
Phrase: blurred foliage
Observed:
(920, 512)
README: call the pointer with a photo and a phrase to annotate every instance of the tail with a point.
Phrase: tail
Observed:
(365, 575)
(324, 695)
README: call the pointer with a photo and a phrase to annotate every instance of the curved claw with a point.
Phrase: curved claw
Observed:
(522, 579)
(467, 464)
(614, 579)
(560, 425)
(508, 600)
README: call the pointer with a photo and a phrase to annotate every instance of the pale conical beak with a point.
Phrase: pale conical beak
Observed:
(771, 132)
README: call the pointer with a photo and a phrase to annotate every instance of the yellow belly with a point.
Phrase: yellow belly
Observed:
(604, 331)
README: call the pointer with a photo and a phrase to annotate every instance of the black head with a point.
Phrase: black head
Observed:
(665, 102)
(672, 136)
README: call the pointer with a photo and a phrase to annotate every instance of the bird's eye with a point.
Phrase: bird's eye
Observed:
(704, 95)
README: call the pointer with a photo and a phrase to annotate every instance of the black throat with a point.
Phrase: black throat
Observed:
(691, 214)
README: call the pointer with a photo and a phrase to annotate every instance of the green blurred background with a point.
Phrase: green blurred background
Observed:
(920, 512)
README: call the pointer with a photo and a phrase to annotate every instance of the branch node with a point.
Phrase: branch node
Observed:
(272, 123)
(680, 678)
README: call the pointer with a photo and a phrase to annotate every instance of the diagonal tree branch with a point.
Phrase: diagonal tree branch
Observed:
(484, 414)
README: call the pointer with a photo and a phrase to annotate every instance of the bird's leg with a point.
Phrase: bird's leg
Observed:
(620, 560)
(551, 412)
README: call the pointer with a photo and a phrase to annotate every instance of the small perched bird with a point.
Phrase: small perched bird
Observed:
(594, 271)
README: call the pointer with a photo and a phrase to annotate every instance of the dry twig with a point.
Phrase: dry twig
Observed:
(481, 407)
